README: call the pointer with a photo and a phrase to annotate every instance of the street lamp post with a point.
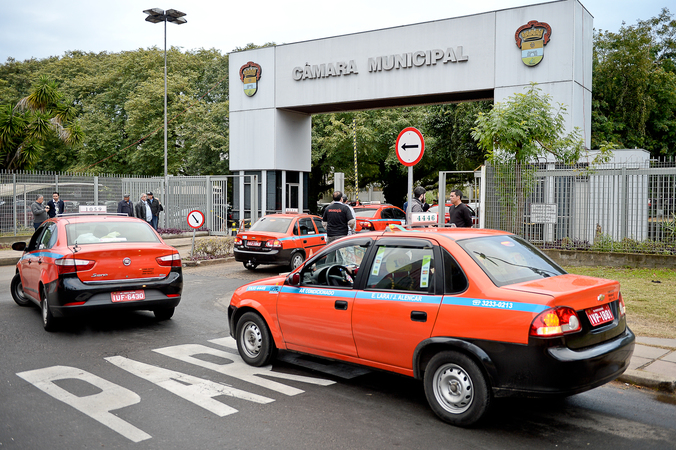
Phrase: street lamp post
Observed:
(156, 15)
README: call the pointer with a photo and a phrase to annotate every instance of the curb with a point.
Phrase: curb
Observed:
(207, 262)
(652, 380)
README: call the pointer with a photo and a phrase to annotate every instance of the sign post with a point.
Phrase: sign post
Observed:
(410, 148)
(195, 221)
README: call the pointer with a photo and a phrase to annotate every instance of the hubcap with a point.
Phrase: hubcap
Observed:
(252, 340)
(453, 388)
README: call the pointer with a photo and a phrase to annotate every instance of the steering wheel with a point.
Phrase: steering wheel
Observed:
(338, 275)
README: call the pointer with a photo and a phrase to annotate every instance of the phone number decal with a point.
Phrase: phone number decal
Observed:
(493, 304)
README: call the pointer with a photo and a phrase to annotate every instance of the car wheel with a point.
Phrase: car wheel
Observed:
(17, 291)
(254, 341)
(296, 261)
(249, 265)
(164, 313)
(456, 389)
(48, 320)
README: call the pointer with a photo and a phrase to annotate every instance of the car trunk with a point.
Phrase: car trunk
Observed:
(110, 262)
(255, 241)
(585, 295)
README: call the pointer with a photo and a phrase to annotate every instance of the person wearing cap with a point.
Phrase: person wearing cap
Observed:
(155, 207)
(125, 206)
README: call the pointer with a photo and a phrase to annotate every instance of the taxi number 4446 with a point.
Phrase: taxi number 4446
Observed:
(127, 296)
(599, 315)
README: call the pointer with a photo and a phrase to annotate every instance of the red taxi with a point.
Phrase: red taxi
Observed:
(73, 264)
(280, 239)
(473, 313)
(377, 217)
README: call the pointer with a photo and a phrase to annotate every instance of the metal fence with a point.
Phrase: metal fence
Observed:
(210, 194)
(629, 207)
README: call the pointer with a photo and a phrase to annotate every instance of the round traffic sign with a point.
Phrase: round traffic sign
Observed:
(410, 146)
(195, 219)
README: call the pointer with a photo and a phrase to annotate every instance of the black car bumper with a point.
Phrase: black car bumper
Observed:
(282, 256)
(69, 296)
(544, 369)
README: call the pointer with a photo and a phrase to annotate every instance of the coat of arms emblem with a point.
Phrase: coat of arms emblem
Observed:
(531, 39)
(250, 73)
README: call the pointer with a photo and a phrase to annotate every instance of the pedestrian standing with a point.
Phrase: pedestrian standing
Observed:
(350, 229)
(125, 206)
(337, 218)
(155, 207)
(142, 209)
(56, 205)
(39, 210)
(459, 213)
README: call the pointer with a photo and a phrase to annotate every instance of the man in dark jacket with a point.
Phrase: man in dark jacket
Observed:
(56, 205)
(142, 209)
(125, 206)
(337, 218)
(155, 207)
(459, 212)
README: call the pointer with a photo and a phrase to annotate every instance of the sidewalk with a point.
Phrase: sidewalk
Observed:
(653, 364)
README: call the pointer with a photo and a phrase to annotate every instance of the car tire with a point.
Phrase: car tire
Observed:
(456, 389)
(297, 260)
(17, 291)
(254, 342)
(48, 320)
(164, 313)
(249, 265)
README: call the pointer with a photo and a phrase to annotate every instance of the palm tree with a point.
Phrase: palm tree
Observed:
(25, 127)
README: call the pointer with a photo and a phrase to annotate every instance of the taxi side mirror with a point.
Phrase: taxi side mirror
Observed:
(293, 279)
(19, 246)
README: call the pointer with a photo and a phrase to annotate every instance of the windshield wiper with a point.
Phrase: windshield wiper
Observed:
(542, 272)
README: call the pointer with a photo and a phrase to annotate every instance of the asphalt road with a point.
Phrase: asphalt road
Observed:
(128, 381)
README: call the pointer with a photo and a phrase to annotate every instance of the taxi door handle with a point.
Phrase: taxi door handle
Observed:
(40, 261)
(418, 316)
(341, 304)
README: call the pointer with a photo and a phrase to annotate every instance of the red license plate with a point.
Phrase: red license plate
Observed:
(253, 243)
(127, 296)
(600, 315)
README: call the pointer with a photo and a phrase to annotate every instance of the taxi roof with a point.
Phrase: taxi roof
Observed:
(446, 232)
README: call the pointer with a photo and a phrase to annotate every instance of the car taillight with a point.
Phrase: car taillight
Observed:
(366, 225)
(238, 240)
(68, 265)
(555, 322)
(170, 260)
(273, 243)
(621, 307)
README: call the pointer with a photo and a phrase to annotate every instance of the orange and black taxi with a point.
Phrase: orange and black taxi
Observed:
(473, 313)
(280, 239)
(79, 263)
(377, 217)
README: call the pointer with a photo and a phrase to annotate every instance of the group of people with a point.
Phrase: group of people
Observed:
(460, 216)
(147, 208)
(42, 211)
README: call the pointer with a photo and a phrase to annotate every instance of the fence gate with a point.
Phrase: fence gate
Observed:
(475, 201)
(221, 219)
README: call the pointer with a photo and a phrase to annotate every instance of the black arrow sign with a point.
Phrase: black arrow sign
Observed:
(404, 146)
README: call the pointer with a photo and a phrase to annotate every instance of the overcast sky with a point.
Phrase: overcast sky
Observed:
(43, 28)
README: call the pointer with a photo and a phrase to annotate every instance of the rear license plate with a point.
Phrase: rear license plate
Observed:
(253, 243)
(127, 296)
(600, 315)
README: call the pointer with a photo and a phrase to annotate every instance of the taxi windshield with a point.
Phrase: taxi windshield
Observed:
(367, 213)
(109, 232)
(272, 224)
(509, 259)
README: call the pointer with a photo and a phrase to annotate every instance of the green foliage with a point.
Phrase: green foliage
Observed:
(634, 85)
(214, 248)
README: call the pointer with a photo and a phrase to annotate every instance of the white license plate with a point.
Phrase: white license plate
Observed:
(127, 296)
(253, 243)
(600, 315)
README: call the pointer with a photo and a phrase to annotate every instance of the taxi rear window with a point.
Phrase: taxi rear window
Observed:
(367, 213)
(509, 259)
(108, 232)
(272, 224)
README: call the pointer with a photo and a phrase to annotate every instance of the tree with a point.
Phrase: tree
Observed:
(37, 118)
(518, 132)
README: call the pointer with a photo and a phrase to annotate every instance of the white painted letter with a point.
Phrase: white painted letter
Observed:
(193, 389)
(97, 406)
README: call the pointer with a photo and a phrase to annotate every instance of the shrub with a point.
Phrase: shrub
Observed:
(212, 248)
